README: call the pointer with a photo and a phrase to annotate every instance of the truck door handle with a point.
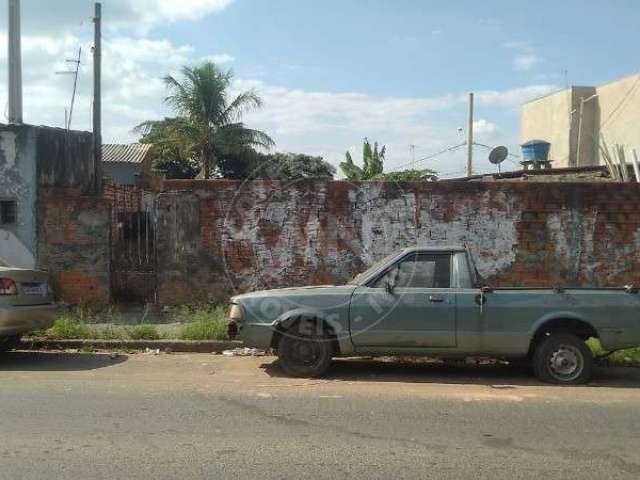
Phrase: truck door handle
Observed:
(436, 299)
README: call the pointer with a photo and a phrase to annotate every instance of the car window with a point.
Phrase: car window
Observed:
(419, 271)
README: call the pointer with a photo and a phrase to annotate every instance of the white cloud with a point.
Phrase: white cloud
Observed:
(152, 12)
(513, 97)
(526, 59)
(483, 127)
(133, 89)
(219, 59)
(526, 62)
(298, 119)
(517, 45)
(315, 122)
(42, 17)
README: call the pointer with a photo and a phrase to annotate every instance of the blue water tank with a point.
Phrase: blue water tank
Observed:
(536, 151)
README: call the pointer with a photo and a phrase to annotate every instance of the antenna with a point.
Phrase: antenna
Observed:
(67, 118)
(498, 155)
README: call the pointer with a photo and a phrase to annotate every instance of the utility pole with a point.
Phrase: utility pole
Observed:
(15, 63)
(470, 138)
(97, 98)
(412, 151)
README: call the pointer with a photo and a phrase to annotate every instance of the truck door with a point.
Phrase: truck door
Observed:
(418, 311)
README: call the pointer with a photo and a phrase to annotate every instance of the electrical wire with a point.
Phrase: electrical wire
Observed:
(621, 104)
(429, 157)
(491, 148)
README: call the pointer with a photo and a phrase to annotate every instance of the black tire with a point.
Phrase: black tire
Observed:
(563, 359)
(304, 356)
(9, 343)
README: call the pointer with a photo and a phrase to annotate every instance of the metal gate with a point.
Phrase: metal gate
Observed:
(133, 244)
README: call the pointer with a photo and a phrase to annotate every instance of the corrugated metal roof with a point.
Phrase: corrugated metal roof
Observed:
(132, 153)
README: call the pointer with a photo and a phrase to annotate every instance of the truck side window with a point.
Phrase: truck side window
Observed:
(419, 271)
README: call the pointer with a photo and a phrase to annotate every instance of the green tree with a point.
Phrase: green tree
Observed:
(208, 122)
(373, 167)
(249, 164)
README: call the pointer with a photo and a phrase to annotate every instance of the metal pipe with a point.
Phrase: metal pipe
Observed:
(97, 98)
(470, 138)
(15, 63)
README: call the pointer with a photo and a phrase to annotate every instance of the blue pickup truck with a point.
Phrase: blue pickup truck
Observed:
(430, 302)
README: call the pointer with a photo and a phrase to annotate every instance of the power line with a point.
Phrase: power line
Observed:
(622, 102)
(429, 157)
(491, 148)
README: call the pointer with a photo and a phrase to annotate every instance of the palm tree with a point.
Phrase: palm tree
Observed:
(209, 121)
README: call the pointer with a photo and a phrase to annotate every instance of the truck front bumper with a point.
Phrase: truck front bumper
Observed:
(22, 319)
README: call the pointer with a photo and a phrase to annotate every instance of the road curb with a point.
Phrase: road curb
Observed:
(182, 346)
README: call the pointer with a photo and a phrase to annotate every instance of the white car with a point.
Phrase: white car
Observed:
(26, 304)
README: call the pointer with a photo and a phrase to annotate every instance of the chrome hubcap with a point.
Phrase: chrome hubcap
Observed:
(566, 363)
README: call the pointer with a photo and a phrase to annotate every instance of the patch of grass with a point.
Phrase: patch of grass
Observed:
(110, 332)
(68, 326)
(630, 356)
(143, 332)
(203, 322)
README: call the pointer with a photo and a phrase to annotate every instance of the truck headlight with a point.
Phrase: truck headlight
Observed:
(235, 313)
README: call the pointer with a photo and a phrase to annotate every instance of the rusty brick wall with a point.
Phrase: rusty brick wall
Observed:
(73, 245)
(221, 237)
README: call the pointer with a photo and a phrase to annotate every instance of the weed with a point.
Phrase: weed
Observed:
(621, 357)
(143, 332)
(203, 322)
(68, 326)
(110, 332)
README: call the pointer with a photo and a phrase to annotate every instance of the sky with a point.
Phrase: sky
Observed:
(331, 72)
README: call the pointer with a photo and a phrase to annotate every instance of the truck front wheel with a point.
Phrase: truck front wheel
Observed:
(304, 356)
(563, 359)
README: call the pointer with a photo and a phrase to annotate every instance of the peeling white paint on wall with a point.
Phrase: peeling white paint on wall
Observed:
(13, 252)
(388, 225)
(574, 248)
(8, 146)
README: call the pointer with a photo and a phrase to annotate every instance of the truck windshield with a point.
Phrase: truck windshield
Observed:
(357, 280)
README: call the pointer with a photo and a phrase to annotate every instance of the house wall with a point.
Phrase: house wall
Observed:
(618, 115)
(122, 173)
(18, 182)
(63, 227)
(74, 245)
(614, 114)
(548, 119)
(221, 237)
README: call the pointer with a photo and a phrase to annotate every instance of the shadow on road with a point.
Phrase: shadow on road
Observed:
(354, 370)
(57, 362)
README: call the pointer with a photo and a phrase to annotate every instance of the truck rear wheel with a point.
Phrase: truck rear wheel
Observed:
(563, 359)
(304, 356)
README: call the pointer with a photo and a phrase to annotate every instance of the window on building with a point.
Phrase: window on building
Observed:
(8, 212)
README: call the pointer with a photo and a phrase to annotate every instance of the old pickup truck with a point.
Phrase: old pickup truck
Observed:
(430, 302)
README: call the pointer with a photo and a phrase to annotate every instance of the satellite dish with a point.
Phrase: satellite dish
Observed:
(498, 155)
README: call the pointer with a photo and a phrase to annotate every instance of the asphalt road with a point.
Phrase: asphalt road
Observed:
(91, 416)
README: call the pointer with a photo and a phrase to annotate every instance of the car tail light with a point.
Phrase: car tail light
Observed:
(8, 287)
